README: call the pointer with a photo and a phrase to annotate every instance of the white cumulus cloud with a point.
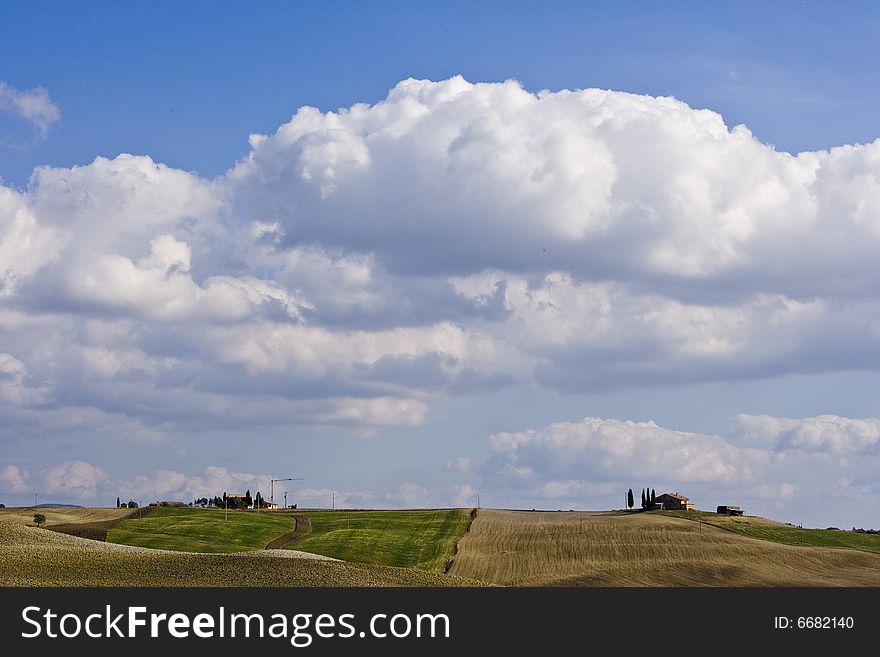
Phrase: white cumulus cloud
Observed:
(823, 433)
(75, 478)
(610, 450)
(462, 464)
(450, 238)
(14, 480)
(32, 105)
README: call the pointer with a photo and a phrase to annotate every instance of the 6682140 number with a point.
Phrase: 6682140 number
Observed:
(825, 622)
(814, 623)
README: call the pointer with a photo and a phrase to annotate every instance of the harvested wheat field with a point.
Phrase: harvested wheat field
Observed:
(522, 548)
(64, 515)
(76, 521)
(40, 557)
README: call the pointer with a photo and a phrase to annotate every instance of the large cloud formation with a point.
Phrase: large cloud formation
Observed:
(453, 237)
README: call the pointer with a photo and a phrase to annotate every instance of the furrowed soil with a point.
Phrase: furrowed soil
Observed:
(523, 548)
(85, 523)
(64, 515)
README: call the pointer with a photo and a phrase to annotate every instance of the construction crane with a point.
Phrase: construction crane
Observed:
(272, 486)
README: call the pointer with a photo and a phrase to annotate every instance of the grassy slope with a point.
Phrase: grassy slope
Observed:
(768, 530)
(37, 557)
(201, 530)
(421, 539)
(618, 549)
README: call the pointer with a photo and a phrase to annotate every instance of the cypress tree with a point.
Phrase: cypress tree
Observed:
(653, 498)
(643, 498)
(629, 498)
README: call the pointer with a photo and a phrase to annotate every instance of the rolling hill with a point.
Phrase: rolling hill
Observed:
(513, 548)
(39, 557)
(421, 539)
(522, 548)
(201, 530)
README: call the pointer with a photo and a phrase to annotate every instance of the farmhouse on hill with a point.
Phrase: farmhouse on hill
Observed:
(669, 501)
(238, 500)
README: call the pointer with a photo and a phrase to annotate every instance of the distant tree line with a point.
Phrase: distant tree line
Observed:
(234, 502)
(247, 502)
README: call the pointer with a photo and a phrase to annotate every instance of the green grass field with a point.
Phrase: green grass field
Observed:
(201, 530)
(769, 530)
(420, 539)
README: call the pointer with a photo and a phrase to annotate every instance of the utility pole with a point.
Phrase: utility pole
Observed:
(35, 498)
(272, 487)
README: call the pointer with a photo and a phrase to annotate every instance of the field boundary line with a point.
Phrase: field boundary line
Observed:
(451, 560)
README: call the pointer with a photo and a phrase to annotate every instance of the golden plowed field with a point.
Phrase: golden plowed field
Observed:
(523, 548)
(63, 515)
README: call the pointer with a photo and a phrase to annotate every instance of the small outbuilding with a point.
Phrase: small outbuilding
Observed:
(728, 510)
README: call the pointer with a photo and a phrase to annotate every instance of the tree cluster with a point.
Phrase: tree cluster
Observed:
(247, 502)
(648, 499)
(210, 502)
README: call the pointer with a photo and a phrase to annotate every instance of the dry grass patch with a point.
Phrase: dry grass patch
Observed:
(85, 523)
(63, 515)
(641, 549)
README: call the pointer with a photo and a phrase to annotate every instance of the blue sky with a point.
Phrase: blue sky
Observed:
(359, 298)
(196, 79)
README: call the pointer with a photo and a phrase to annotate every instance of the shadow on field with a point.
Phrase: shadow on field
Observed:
(96, 531)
